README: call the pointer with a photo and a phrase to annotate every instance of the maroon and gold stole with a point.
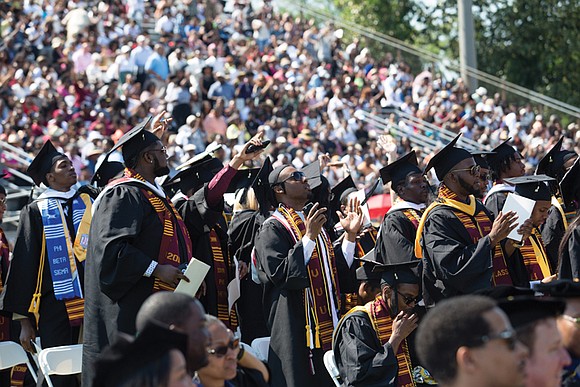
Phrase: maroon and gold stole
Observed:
(414, 216)
(5, 258)
(380, 317)
(169, 253)
(317, 300)
(477, 227)
(535, 257)
(220, 269)
(369, 238)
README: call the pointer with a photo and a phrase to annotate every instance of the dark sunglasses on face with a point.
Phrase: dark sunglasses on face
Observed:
(296, 176)
(473, 170)
(508, 336)
(221, 351)
(409, 300)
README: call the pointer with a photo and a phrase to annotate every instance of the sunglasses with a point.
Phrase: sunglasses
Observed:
(509, 336)
(575, 320)
(221, 351)
(473, 170)
(296, 176)
(409, 300)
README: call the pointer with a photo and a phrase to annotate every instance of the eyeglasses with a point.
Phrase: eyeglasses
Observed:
(221, 351)
(409, 300)
(3, 202)
(485, 176)
(296, 176)
(575, 320)
(509, 336)
(473, 170)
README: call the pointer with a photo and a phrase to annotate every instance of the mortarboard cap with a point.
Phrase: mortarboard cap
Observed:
(398, 273)
(524, 310)
(480, 158)
(447, 158)
(397, 171)
(366, 271)
(501, 152)
(135, 140)
(532, 187)
(552, 164)
(275, 174)
(43, 162)
(107, 171)
(341, 190)
(500, 292)
(562, 288)
(124, 358)
(242, 179)
(196, 174)
(262, 188)
(570, 184)
(312, 172)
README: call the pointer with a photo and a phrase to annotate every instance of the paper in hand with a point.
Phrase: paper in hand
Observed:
(234, 287)
(523, 207)
(196, 272)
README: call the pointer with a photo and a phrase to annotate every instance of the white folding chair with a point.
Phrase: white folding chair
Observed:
(261, 346)
(331, 367)
(12, 354)
(64, 360)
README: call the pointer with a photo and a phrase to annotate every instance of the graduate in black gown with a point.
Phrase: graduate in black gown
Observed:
(569, 252)
(300, 271)
(457, 237)
(370, 342)
(396, 242)
(505, 162)
(203, 213)
(136, 244)
(555, 163)
(62, 208)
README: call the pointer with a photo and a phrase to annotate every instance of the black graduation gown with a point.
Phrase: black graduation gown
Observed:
(285, 275)
(569, 265)
(552, 233)
(125, 237)
(242, 233)
(200, 219)
(53, 325)
(359, 355)
(494, 202)
(453, 264)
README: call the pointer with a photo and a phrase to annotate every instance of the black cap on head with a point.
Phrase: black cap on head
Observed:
(43, 162)
(344, 187)
(500, 292)
(532, 187)
(501, 152)
(275, 174)
(262, 188)
(393, 274)
(125, 357)
(524, 310)
(570, 184)
(196, 174)
(447, 158)
(135, 140)
(397, 171)
(560, 288)
(366, 271)
(313, 174)
(553, 161)
(242, 179)
(480, 158)
(107, 171)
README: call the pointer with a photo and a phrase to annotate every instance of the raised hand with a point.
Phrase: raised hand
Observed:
(351, 218)
(239, 159)
(502, 226)
(314, 221)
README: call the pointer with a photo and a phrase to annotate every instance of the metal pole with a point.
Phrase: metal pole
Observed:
(467, 57)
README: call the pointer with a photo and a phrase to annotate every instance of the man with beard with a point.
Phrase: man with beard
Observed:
(480, 158)
(300, 271)
(399, 228)
(136, 244)
(505, 162)
(44, 287)
(457, 237)
(369, 343)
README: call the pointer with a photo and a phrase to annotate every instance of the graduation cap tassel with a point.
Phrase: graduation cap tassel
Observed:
(317, 337)
(308, 336)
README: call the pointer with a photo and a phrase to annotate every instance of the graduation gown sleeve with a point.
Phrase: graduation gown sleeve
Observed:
(396, 242)
(494, 203)
(569, 266)
(198, 215)
(360, 357)
(552, 233)
(454, 264)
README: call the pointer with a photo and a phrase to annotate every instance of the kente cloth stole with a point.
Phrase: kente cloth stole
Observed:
(220, 269)
(535, 257)
(414, 216)
(477, 226)
(365, 241)
(169, 252)
(350, 301)
(317, 300)
(61, 252)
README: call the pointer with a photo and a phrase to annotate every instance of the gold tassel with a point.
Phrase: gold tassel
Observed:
(308, 338)
(317, 338)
